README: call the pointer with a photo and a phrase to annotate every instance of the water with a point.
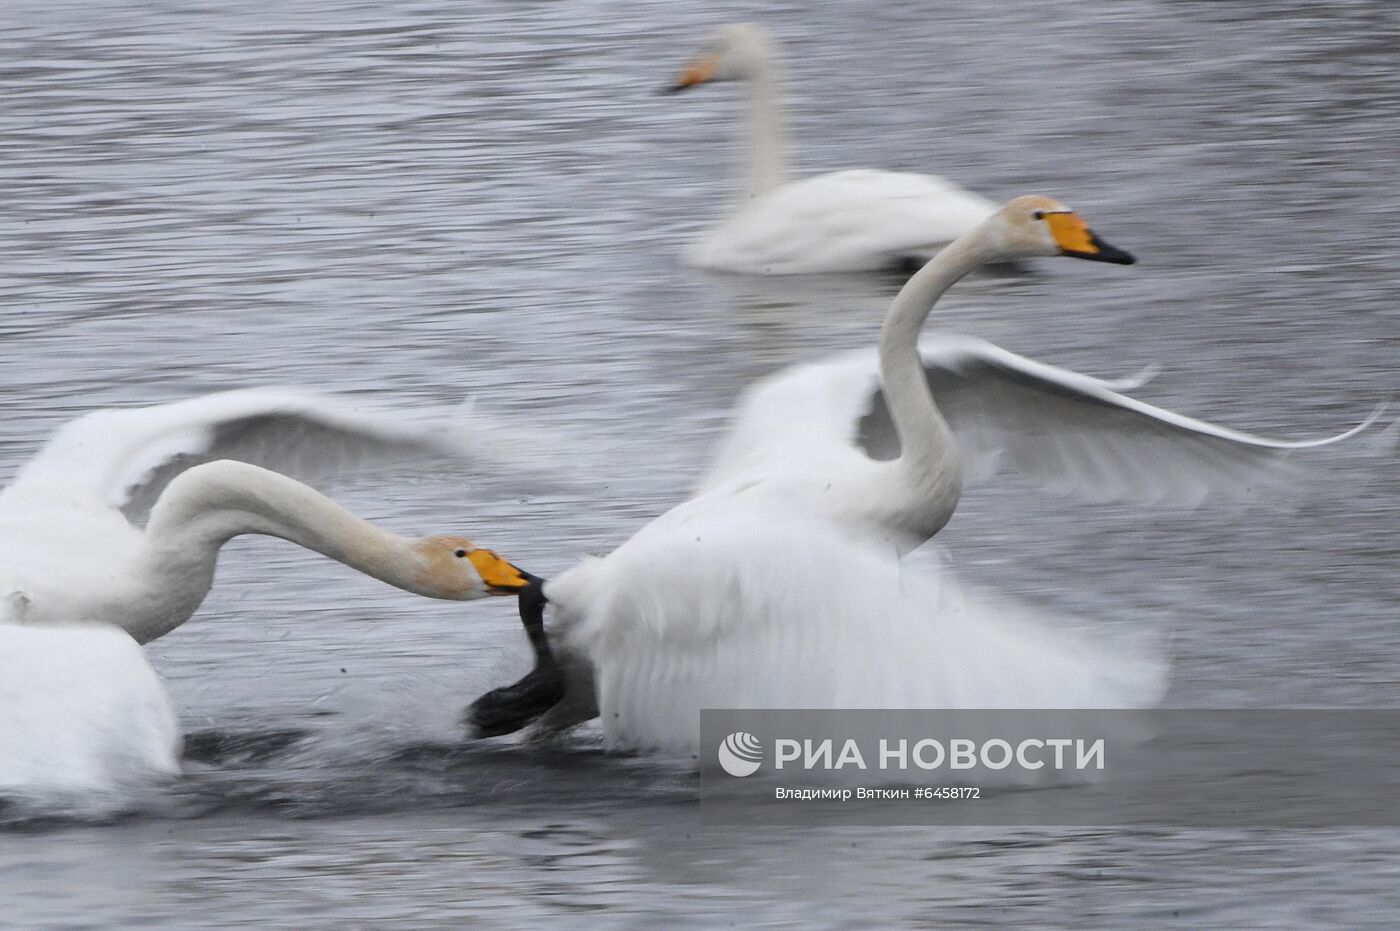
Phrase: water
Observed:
(430, 201)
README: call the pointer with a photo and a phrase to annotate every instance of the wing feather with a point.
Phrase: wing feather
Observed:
(1068, 432)
(124, 458)
(1075, 434)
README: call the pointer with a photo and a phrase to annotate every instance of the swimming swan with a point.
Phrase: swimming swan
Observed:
(837, 222)
(780, 583)
(83, 716)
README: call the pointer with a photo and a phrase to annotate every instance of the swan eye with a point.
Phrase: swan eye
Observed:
(1039, 214)
(460, 553)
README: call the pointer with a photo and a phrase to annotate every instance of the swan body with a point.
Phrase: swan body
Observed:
(843, 221)
(787, 580)
(739, 608)
(82, 715)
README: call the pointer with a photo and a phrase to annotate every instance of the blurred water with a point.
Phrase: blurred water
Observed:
(430, 201)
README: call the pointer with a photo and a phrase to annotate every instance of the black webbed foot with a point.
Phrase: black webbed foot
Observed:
(508, 709)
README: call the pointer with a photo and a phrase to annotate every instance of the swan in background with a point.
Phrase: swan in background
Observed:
(780, 583)
(80, 709)
(837, 222)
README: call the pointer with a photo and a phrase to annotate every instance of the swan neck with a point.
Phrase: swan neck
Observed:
(208, 505)
(765, 130)
(927, 444)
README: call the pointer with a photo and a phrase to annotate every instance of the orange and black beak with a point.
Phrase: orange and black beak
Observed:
(501, 577)
(697, 72)
(1076, 240)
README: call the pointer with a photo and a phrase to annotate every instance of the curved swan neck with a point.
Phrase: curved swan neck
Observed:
(765, 128)
(927, 443)
(206, 506)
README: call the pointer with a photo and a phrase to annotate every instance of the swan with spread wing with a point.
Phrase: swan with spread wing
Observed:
(79, 705)
(841, 221)
(780, 583)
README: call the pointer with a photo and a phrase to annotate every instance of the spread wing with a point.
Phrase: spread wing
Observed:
(1068, 432)
(1075, 434)
(124, 458)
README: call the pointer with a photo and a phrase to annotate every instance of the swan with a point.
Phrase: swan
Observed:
(783, 582)
(838, 222)
(82, 713)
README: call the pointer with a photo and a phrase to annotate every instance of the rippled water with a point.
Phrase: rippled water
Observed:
(431, 201)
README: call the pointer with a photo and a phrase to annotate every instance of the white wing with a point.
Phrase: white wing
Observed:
(843, 221)
(801, 419)
(124, 458)
(1075, 434)
(1068, 432)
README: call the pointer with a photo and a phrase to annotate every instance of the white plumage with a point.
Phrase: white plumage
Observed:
(784, 582)
(83, 717)
(1069, 433)
(81, 581)
(843, 221)
(739, 608)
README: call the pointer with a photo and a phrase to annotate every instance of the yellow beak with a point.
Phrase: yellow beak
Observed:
(1075, 239)
(500, 576)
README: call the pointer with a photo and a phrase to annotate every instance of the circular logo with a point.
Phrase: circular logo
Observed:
(740, 754)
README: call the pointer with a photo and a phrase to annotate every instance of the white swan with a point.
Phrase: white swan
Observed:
(81, 712)
(838, 222)
(779, 584)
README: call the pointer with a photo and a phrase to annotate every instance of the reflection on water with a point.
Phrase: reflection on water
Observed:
(435, 201)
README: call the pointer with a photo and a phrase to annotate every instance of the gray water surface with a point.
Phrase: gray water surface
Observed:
(429, 201)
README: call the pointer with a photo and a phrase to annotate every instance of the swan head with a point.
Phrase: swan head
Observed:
(736, 52)
(1036, 225)
(456, 569)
